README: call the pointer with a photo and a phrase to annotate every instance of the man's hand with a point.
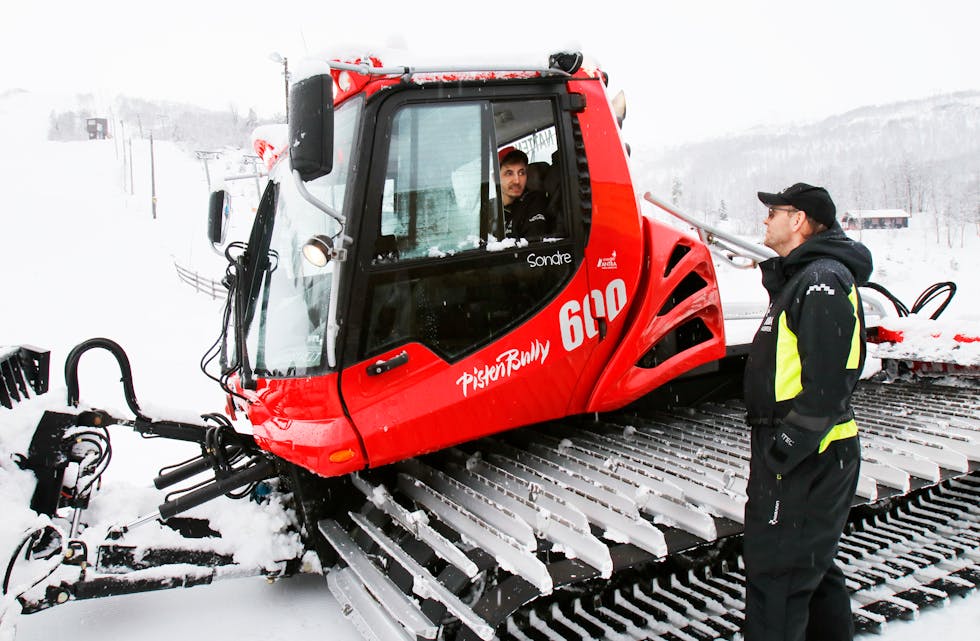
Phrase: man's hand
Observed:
(790, 445)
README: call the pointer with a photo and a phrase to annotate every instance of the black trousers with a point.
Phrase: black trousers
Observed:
(794, 591)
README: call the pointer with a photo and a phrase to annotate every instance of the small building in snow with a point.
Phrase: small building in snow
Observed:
(98, 128)
(875, 219)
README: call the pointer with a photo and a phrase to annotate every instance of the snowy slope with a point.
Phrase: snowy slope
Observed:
(83, 257)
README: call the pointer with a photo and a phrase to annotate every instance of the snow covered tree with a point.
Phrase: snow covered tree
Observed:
(676, 191)
(252, 121)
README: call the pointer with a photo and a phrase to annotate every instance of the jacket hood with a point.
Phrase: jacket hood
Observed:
(833, 243)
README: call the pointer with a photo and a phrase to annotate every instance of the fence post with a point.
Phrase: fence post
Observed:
(153, 178)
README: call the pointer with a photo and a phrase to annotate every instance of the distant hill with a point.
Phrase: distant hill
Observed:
(920, 155)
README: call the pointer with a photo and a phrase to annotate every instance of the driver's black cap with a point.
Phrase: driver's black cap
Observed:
(815, 201)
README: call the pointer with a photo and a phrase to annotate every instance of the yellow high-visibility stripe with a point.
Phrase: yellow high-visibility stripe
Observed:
(854, 358)
(789, 369)
(839, 432)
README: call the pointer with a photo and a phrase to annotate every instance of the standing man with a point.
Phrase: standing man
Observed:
(525, 211)
(804, 363)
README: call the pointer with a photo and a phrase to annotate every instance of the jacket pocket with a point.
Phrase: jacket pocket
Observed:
(766, 542)
(775, 517)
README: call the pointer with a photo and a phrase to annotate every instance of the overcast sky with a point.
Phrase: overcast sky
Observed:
(690, 69)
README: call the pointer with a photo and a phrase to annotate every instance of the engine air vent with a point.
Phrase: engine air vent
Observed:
(692, 333)
(680, 251)
(691, 284)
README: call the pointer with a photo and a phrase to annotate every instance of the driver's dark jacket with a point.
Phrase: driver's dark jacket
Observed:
(529, 217)
(808, 353)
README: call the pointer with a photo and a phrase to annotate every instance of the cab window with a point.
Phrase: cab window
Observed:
(444, 271)
(434, 185)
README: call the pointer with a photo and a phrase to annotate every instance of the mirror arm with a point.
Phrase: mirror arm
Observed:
(339, 251)
(316, 202)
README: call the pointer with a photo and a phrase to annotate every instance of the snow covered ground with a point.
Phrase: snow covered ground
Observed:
(83, 257)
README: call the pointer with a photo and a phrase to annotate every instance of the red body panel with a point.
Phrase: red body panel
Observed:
(623, 381)
(428, 404)
(303, 421)
(615, 248)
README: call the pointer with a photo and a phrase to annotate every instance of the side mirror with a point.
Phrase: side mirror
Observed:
(311, 126)
(218, 209)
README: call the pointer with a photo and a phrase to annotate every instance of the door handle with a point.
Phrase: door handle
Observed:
(380, 367)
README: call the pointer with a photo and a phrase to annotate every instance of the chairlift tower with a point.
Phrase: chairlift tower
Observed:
(204, 157)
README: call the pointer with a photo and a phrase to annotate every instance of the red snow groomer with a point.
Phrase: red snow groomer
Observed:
(434, 376)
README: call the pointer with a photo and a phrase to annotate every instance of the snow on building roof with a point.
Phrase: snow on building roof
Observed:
(876, 213)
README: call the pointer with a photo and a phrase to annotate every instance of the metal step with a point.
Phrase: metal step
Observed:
(511, 554)
(635, 447)
(396, 607)
(417, 524)
(615, 513)
(423, 583)
(371, 620)
(557, 522)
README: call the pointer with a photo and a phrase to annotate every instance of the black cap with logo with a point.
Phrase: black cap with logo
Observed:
(815, 201)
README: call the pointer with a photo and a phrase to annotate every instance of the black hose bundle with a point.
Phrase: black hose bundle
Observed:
(234, 255)
(221, 452)
(45, 543)
(98, 440)
(926, 297)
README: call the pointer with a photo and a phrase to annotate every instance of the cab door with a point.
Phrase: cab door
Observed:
(455, 333)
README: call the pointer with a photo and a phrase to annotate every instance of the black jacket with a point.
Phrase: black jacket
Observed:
(808, 353)
(529, 217)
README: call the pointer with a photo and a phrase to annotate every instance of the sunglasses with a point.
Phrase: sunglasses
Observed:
(788, 210)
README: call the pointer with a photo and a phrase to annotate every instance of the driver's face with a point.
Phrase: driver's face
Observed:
(513, 180)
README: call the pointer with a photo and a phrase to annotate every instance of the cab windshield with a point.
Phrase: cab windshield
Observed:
(292, 325)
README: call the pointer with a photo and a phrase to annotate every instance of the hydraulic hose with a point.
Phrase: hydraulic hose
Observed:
(932, 292)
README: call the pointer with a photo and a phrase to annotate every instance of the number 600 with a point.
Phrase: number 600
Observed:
(578, 320)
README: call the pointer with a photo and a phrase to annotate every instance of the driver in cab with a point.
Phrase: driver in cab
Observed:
(525, 211)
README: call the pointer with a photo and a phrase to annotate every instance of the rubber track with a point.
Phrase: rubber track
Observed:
(917, 556)
(627, 527)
